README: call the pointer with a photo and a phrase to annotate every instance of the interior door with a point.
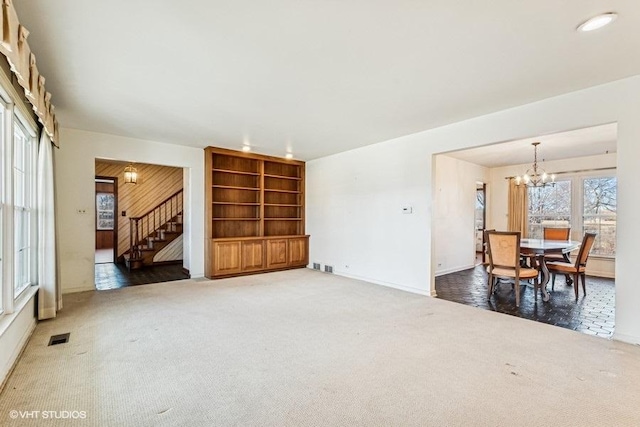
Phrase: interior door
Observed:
(106, 224)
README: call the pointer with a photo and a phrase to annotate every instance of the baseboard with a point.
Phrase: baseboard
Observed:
(168, 262)
(78, 289)
(186, 271)
(603, 274)
(454, 270)
(383, 283)
(630, 339)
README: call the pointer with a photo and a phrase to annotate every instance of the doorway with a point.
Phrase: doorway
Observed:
(480, 221)
(106, 197)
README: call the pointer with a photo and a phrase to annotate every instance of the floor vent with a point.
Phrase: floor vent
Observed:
(59, 339)
(316, 266)
(328, 269)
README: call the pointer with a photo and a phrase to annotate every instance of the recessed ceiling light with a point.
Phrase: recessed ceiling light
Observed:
(246, 148)
(289, 156)
(597, 22)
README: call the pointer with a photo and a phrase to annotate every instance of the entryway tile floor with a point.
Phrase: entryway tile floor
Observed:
(592, 314)
(114, 276)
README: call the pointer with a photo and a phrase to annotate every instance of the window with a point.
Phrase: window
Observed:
(105, 215)
(18, 227)
(549, 206)
(599, 213)
(23, 207)
(586, 203)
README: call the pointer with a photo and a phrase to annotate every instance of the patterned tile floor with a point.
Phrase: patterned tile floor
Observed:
(114, 276)
(592, 314)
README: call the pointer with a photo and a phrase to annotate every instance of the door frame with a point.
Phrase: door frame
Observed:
(116, 213)
(484, 217)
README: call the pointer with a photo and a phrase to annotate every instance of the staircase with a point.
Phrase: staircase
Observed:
(151, 232)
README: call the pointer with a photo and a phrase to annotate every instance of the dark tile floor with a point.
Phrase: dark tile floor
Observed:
(592, 314)
(114, 276)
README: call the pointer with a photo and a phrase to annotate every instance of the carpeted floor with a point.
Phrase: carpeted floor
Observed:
(303, 348)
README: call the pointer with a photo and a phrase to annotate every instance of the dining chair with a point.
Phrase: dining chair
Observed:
(576, 269)
(503, 249)
(556, 233)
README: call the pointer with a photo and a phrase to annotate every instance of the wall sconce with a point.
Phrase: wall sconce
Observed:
(130, 174)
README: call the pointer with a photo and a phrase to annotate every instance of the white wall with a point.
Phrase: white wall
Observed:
(354, 215)
(354, 198)
(75, 172)
(454, 213)
(498, 200)
(14, 336)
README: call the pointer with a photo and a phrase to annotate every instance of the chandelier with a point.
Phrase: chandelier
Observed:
(536, 176)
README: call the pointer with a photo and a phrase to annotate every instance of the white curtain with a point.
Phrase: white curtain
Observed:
(49, 301)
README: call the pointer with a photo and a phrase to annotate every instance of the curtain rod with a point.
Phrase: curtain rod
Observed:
(576, 171)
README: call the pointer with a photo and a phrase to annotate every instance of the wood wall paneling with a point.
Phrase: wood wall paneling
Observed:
(155, 184)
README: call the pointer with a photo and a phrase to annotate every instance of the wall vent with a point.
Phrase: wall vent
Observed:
(328, 269)
(316, 266)
(59, 339)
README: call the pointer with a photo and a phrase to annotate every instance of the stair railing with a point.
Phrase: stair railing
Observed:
(151, 225)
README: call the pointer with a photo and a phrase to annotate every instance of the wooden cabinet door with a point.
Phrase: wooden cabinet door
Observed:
(226, 258)
(252, 255)
(298, 252)
(276, 253)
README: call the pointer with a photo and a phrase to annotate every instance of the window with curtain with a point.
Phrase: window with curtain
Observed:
(18, 222)
(24, 160)
(549, 206)
(586, 203)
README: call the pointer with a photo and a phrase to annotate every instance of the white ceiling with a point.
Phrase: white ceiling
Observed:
(565, 145)
(314, 77)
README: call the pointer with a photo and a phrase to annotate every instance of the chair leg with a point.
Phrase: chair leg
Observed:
(575, 284)
(490, 286)
(517, 284)
(584, 286)
(553, 281)
(535, 288)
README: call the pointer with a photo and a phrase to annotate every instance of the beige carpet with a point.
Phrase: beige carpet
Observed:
(302, 348)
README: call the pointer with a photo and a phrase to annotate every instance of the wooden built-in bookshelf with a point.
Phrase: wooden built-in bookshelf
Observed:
(255, 213)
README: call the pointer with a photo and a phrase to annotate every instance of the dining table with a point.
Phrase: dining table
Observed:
(536, 249)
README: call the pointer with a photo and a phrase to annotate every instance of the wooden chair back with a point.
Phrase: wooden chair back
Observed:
(503, 248)
(556, 233)
(585, 248)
